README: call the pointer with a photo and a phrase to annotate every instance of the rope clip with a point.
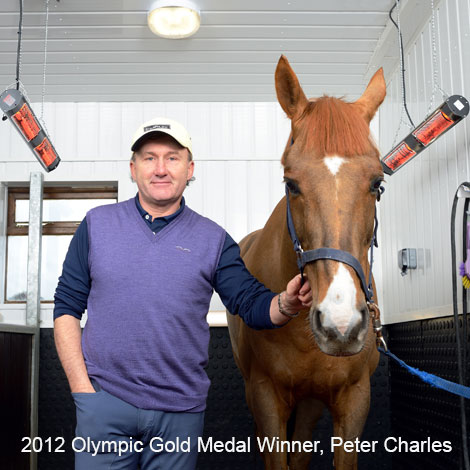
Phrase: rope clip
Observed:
(377, 324)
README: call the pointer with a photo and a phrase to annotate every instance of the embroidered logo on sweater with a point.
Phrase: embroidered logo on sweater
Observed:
(183, 249)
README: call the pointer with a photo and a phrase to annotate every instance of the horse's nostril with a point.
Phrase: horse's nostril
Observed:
(365, 316)
(316, 319)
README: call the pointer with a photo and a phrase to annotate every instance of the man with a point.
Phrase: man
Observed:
(145, 270)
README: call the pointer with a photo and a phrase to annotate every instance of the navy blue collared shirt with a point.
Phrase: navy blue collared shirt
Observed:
(240, 292)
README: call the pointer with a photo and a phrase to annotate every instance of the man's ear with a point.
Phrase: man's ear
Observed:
(132, 168)
(190, 170)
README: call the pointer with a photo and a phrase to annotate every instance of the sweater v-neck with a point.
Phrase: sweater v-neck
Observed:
(154, 237)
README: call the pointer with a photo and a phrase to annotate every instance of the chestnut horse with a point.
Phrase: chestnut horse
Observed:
(324, 356)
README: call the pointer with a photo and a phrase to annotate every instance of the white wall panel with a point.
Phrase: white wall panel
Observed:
(88, 134)
(64, 135)
(264, 125)
(236, 222)
(199, 115)
(109, 131)
(214, 193)
(415, 210)
(259, 202)
(221, 135)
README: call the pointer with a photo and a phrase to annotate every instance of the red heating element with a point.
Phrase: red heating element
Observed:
(399, 156)
(26, 122)
(46, 152)
(433, 128)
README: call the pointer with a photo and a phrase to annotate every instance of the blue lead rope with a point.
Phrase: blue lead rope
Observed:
(431, 379)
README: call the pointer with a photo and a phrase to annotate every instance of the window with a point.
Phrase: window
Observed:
(63, 210)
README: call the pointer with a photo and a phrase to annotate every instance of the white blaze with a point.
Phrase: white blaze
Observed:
(338, 308)
(333, 164)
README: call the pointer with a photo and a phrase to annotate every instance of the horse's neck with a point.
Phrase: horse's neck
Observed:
(271, 258)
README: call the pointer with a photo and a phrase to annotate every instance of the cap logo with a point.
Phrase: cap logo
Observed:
(156, 126)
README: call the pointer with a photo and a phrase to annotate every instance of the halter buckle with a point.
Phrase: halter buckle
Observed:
(300, 263)
(298, 253)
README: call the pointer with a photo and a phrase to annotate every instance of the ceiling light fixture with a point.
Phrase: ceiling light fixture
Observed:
(174, 19)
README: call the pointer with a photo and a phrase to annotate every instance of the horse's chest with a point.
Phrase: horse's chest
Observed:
(312, 373)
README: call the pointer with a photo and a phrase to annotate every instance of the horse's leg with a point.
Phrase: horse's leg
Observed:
(271, 414)
(349, 411)
(307, 414)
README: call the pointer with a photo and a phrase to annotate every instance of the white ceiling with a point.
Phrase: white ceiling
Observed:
(102, 50)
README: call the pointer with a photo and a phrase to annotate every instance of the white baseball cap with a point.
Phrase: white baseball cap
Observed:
(165, 125)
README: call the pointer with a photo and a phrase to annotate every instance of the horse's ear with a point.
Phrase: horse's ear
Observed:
(373, 96)
(289, 92)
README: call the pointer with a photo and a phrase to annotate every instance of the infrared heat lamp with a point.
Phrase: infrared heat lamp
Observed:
(18, 110)
(452, 111)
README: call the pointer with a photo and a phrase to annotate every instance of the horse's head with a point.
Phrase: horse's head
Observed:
(333, 172)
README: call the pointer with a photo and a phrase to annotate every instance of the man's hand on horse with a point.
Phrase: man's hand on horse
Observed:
(287, 304)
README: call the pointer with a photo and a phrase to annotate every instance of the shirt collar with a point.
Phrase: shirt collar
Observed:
(166, 218)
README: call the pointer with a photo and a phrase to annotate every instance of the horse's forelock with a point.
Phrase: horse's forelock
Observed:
(331, 126)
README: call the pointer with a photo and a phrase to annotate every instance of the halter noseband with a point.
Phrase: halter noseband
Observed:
(304, 257)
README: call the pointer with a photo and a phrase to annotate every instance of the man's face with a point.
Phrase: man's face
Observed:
(161, 170)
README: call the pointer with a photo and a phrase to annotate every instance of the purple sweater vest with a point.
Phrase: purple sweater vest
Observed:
(146, 338)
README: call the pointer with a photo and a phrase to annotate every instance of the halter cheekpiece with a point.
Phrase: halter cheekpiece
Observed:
(304, 257)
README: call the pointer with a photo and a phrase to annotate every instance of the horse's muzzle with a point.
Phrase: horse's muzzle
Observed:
(340, 340)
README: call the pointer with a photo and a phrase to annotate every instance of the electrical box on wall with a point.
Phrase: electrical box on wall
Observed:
(407, 259)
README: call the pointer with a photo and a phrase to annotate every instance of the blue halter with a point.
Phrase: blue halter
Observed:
(304, 257)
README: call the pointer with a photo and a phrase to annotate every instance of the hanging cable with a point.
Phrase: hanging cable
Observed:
(18, 52)
(464, 291)
(460, 364)
(435, 84)
(402, 61)
(44, 66)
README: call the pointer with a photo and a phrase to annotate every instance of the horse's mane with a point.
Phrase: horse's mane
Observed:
(335, 127)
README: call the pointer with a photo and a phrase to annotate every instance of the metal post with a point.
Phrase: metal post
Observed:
(33, 299)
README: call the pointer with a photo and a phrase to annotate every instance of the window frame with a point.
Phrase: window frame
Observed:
(48, 228)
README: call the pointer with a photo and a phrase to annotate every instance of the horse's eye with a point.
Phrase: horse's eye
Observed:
(375, 185)
(292, 187)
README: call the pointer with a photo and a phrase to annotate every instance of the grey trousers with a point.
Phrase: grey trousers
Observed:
(114, 435)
